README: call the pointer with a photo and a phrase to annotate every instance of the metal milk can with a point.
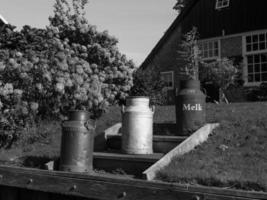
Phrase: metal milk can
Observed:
(77, 142)
(190, 107)
(137, 126)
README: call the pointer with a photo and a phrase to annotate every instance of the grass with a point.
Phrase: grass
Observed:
(235, 156)
(42, 143)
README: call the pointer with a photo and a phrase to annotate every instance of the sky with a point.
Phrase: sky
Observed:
(138, 24)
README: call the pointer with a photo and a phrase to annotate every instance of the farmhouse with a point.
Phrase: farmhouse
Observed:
(236, 29)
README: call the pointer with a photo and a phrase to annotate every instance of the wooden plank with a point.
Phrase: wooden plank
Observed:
(219, 197)
(161, 144)
(171, 138)
(33, 195)
(187, 145)
(53, 196)
(128, 157)
(167, 138)
(88, 188)
(7, 193)
(111, 187)
(132, 165)
(126, 164)
(142, 183)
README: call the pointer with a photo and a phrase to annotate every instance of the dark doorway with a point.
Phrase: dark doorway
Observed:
(211, 91)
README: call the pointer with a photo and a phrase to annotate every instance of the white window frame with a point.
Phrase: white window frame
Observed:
(252, 52)
(213, 57)
(220, 4)
(172, 79)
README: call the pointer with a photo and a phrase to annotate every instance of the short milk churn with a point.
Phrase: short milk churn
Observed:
(190, 107)
(77, 142)
(137, 126)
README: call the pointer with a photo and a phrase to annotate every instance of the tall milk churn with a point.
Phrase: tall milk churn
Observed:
(77, 142)
(137, 126)
(190, 107)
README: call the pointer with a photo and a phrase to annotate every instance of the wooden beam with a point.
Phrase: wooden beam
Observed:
(108, 187)
(116, 161)
(89, 188)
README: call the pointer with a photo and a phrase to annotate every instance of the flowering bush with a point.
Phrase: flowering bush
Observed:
(69, 65)
(149, 83)
(221, 72)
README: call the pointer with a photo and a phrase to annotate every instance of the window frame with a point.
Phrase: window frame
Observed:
(207, 42)
(172, 79)
(220, 4)
(253, 53)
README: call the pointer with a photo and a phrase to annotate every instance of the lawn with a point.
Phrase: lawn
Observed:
(235, 156)
(43, 141)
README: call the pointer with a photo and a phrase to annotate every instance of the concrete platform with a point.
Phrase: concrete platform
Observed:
(161, 144)
(117, 162)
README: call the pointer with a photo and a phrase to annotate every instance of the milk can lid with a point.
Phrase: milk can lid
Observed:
(135, 97)
(79, 115)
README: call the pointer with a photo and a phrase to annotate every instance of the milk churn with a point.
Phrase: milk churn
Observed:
(190, 107)
(137, 126)
(77, 142)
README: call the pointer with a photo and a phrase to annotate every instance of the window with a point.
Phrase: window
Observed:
(256, 57)
(222, 4)
(256, 42)
(257, 67)
(167, 77)
(209, 49)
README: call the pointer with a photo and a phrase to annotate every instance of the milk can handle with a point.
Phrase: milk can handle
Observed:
(204, 91)
(153, 109)
(62, 122)
(88, 124)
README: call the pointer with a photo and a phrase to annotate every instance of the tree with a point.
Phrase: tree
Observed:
(68, 65)
(148, 83)
(97, 48)
(189, 55)
(220, 72)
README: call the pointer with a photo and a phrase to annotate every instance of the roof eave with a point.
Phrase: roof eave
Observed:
(169, 31)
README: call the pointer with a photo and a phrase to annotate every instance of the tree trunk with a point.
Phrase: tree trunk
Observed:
(222, 97)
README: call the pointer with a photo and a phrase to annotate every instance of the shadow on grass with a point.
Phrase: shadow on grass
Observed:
(164, 128)
(38, 161)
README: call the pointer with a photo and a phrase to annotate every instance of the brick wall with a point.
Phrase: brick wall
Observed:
(166, 59)
(231, 46)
